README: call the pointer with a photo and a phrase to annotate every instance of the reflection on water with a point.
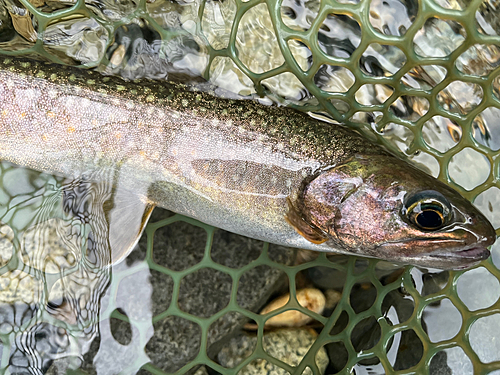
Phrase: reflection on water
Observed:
(54, 252)
(60, 309)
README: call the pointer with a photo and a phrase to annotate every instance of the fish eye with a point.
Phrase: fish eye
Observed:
(428, 210)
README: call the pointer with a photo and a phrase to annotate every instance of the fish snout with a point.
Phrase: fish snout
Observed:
(480, 232)
(475, 235)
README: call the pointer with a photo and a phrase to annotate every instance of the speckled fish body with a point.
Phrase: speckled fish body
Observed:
(237, 165)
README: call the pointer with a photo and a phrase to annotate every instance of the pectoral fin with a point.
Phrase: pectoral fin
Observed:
(308, 231)
(127, 221)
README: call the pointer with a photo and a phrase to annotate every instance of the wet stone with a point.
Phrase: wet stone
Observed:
(257, 280)
(338, 355)
(397, 308)
(438, 364)
(227, 242)
(281, 254)
(162, 294)
(334, 277)
(450, 361)
(287, 345)
(175, 343)
(336, 350)
(486, 330)
(198, 298)
(362, 297)
(442, 320)
(179, 246)
(408, 352)
(428, 283)
(366, 334)
(474, 280)
(201, 371)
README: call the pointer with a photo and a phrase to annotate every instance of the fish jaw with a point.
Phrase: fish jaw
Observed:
(457, 260)
(449, 254)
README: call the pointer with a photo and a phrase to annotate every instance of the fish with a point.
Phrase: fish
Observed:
(267, 172)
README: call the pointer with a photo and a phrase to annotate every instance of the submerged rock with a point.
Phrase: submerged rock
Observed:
(309, 298)
(288, 345)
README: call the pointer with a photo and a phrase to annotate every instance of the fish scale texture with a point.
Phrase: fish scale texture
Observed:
(420, 77)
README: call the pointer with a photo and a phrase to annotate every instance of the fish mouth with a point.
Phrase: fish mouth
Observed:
(474, 254)
(440, 253)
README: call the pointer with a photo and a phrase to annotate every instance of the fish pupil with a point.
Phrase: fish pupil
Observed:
(429, 219)
(427, 210)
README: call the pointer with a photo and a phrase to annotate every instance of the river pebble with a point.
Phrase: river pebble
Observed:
(287, 345)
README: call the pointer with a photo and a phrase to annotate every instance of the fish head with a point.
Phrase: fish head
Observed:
(382, 207)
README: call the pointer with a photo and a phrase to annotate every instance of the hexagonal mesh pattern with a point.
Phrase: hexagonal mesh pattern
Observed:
(420, 77)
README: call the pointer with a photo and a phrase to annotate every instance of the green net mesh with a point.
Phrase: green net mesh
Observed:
(431, 94)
